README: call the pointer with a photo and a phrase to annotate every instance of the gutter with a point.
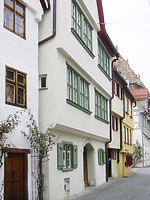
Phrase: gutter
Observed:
(54, 25)
(106, 149)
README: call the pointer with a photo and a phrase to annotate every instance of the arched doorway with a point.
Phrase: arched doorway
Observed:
(88, 165)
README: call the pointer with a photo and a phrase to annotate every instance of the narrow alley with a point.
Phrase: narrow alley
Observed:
(135, 187)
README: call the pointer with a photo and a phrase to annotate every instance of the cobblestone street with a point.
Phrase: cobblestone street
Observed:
(135, 187)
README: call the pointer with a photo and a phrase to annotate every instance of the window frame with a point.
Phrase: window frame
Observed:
(104, 60)
(101, 107)
(118, 90)
(41, 76)
(17, 85)
(131, 109)
(126, 104)
(80, 25)
(15, 14)
(124, 134)
(72, 89)
(65, 161)
(115, 123)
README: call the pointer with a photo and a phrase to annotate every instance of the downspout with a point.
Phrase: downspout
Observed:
(106, 149)
(54, 25)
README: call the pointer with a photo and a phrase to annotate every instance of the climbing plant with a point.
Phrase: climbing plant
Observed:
(6, 127)
(41, 144)
(137, 153)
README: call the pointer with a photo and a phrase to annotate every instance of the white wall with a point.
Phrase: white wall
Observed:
(20, 54)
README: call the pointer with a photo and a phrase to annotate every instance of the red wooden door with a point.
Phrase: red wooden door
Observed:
(14, 177)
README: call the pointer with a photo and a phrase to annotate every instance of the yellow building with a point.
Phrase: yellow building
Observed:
(126, 147)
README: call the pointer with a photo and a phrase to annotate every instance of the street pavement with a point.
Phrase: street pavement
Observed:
(135, 187)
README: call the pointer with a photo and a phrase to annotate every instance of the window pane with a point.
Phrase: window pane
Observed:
(10, 93)
(9, 2)
(69, 76)
(8, 19)
(19, 9)
(10, 75)
(20, 79)
(73, 17)
(20, 96)
(19, 25)
(79, 23)
(64, 156)
(69, 157)
(43, 82)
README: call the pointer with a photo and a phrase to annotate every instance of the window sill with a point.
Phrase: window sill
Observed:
(82, 43)
(23, 37)
(103, 120)
(104, 72)
(43, 88)
(67, 170)
(17, 105)
(78, 106)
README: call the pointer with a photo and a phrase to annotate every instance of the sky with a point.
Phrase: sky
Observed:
(128, 24)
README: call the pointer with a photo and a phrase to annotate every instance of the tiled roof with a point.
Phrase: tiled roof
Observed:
(139, 93)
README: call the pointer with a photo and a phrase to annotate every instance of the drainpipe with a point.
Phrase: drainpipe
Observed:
(54, 25)
(106, 149)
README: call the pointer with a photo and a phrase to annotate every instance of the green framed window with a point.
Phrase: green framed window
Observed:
(103, 59)
(81, 27)
(101, 106)
(101, 157)
(67, 156)
(77, 88)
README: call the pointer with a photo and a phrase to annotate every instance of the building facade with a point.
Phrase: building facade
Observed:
(142, 124)
(18, 90)
(141, 131)
(75, 88)
(117, 115)
(126, 150)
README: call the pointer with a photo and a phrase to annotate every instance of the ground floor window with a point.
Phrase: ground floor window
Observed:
(67, 156)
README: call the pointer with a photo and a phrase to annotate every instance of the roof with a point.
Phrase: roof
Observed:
(103, 33)
(45, 4)
(139, 93)
(118, 77)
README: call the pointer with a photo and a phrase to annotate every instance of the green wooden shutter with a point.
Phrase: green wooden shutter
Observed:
(104, 157)
(60, 155)
(75, 156)
(101, 157)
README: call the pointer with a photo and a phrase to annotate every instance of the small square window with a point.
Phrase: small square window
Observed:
(43, 81)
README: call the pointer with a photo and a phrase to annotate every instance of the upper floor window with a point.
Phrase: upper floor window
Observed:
(101, 106)
(131, 107)
(77, 89)
(125, 134)
(118, 90)
(14, 17)
(115, 123)
(103, 59)
(81, 27)
(126, 104)
(15, 87)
